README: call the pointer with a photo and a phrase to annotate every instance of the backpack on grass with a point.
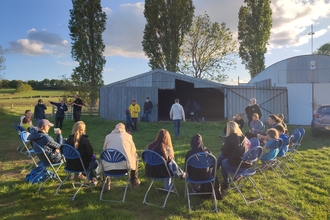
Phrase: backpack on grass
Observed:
(39, 174)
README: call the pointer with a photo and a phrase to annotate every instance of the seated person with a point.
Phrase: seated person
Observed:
(163, 146)
(119, 139)
(41, 137)
(28, 114)
(235, 145)
(26, 124)
(285, 139)
(256, 127)
(239, 119)
(196, 144)
(281, 116)
(272, 120)
(78, 139)
(270, 150)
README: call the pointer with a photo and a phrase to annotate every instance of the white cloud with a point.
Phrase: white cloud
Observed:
(27, 47)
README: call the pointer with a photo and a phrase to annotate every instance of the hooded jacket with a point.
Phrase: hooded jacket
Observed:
(49, 145)
(234, 147)
(197, 146)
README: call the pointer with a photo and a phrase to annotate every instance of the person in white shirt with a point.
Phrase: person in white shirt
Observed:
(177, 115)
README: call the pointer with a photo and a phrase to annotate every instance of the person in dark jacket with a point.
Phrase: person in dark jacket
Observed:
(239, 119)
(197, 111)
(148, 106)
(188, 110)
(51, 147)
(39, 111)
(234, 147)
(252, 108)
(163, 146)
(78, 139)
(61, 109)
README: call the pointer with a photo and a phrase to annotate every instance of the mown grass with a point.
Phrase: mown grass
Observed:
(303, 194)
(10, 93)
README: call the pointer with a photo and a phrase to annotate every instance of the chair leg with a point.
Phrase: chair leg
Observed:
(59, 187)
(145, 196)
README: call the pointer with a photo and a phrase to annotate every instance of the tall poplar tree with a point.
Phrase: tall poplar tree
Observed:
(86, 26)
(167, 23)
(2, 63)
(255, 22)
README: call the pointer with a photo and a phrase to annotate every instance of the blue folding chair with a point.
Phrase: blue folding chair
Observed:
(293, 148)
(152, 158)
(254, 142)
(298, 143)
(274, 163)
(244, 174)
(29, 152)
(111, 155)
(201, 160)
(70, 152)
(46, 163)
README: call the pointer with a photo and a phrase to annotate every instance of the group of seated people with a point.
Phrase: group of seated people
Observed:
(235, 145)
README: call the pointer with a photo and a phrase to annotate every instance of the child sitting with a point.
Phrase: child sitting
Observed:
(26, 124)
(285, 138)
(128, 121)
(271, 147)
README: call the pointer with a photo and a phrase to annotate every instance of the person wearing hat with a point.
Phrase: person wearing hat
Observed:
(147, 109)
(51, 147)
(39, 111)
(134, 108)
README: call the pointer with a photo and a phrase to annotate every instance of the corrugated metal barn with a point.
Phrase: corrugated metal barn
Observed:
(217, 100)
(307, 79)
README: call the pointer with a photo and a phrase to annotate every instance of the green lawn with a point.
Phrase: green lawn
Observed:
(10, 93)
(303, 194)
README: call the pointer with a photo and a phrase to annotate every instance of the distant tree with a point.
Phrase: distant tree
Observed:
(23, 87)
(86, 26)
(255, 22)
(324, 49)
(45, 84)
(2, 63)
(34, 84)
(14, 83)
(167, 24)
(4, 83)
(208, 50)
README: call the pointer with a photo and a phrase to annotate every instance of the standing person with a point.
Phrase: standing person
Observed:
(27, 114)
(163, 146)
(119, 139)
(252, 108)
(78, 139)
(134, 108)
(177, 115)
(128, 121)
(188, 110)
(197, 111)
(147, 109)
(77, 105)
(61, 109)
(39, 111)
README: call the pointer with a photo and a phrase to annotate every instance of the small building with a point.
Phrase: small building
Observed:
(218, 101)
(307, 79)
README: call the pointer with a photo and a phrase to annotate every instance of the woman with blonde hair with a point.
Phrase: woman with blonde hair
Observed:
(235, 145)
(163, 146)
(78, 139)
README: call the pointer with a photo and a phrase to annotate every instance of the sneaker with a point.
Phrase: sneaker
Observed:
(108, 182)
(94, 181)
(135, 183)
(238, 178)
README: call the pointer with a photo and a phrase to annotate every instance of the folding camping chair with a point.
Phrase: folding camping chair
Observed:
(254, 142)
(201, 160)
(70, 152)
(19, 129)
(152, 158)
(46, 163)
(297, 144)
(114, 156)
(282, 159)
(29, 152)
(252, 156)
(271, 164)
(293, 147)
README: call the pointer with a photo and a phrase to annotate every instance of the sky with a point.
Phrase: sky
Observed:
(36, 42)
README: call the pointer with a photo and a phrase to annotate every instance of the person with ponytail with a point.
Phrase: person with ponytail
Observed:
(78, 139)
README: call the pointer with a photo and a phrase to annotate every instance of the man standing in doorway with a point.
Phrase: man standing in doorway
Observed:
(147, 109)
(177, 114)
(134, 108)
(77, 105)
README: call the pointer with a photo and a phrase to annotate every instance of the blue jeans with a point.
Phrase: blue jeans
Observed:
(219, 161)
(147, 116)
(91, 169)
(177, 123)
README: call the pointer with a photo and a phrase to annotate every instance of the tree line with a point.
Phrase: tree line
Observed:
(46, 84)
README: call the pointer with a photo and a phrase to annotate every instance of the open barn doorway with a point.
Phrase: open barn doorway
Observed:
(210, 99)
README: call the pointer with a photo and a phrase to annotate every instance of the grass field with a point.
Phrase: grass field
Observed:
(303, 194)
